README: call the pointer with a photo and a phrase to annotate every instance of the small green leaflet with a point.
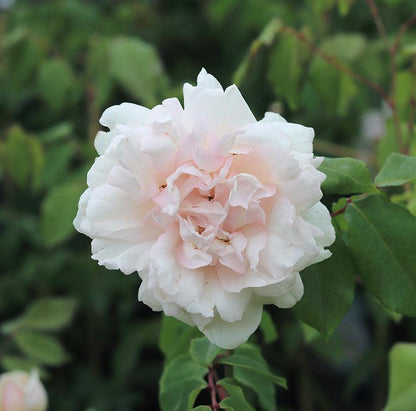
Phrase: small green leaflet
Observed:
(346, 176)
(397, 170)
(235, 400)
(180, 384)
(203, 351)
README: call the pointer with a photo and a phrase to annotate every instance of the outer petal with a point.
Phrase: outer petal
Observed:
(318, 216)
(121, 255)
(300, 136)
(112, 213)
(114, 115)
(284, 294)
(230, 335)
(81, 222)
(122, 114)
(99, 171)
(223, 111)
(231, 306)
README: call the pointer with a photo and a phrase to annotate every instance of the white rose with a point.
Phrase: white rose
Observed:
(216, 211)
(20, 391)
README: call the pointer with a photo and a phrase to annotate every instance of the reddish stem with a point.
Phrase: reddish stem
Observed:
(341, 67)
(379, 23)
(403, 28)
(340, 211)
(212, 388)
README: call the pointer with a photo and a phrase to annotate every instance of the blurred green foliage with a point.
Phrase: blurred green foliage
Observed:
(62, 62)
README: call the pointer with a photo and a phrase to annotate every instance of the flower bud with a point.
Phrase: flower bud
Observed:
(21, 391)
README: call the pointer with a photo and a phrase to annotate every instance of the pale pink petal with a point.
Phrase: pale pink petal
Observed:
(111, 210)
(121, 255)
(223, 111)
(284, 294)
(191, 257)
(115, 115)
(230, 335)
(81, 222)
(12, 398)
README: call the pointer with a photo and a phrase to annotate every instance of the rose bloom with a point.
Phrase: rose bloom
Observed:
(20, 391)
(217, 212)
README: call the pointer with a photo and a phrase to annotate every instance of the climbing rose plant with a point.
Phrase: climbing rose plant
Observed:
(217, 212)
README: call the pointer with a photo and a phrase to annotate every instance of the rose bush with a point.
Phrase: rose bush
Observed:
(216, 211)
(20, 391)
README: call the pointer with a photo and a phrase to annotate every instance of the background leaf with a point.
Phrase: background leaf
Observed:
(56, 82)
(136, 66)
(58, 212)
(402, 390)
(397, 170)
(382, 240)
(49, 314)
(329, 290)
(268, 328)
(41, 347)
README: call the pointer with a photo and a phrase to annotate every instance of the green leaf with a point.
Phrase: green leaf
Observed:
(268, 328)
(18, 157)
(249, 357)
(203, 351)
(404, 90)
(56, 133)
(49, 314)
(41, 347)
(397, 170)
(58, 159)
(263, 41)
(202, 408)
(388, 144)
(181, 381)
(329, 290)
(175, 337)
(99, 71)
(346, 176)
(348, 47)
(344, 7)
(382, 240)
(56, 82)
(13, 363)
(251, 370)
(336, 88)
(58, 211)
(235, 400)
(136, 66)
(402, 390)
(285, 69)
